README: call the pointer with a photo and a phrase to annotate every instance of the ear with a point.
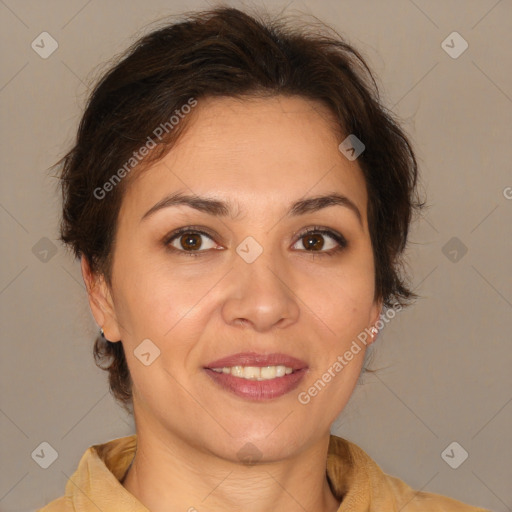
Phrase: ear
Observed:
(100, 301)
(374, 317)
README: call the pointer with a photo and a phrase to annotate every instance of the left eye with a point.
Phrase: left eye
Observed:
(313, 241)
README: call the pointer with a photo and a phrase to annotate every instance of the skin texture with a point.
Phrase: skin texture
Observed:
(261, 155)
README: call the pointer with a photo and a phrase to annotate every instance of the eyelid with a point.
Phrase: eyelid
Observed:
(190, 229)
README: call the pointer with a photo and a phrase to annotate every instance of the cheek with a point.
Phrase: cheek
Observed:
(154, 296)
(345, 297)
(158, 302)
(141, 298)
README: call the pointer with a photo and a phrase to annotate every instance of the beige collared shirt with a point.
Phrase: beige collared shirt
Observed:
(356, 480)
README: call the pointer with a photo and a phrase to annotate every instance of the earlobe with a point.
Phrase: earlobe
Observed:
(100, 301)
(374, 329)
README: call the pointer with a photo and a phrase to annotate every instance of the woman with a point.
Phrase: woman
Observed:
(240, 201)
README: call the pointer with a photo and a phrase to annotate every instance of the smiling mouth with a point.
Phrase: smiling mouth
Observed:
(257, 377)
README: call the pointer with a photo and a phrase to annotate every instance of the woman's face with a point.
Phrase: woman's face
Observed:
(247, 285)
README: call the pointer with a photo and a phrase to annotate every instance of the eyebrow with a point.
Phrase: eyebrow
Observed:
(220, 208)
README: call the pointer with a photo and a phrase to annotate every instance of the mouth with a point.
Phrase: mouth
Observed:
(257, 377)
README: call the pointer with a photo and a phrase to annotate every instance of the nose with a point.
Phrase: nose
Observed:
(261, 294)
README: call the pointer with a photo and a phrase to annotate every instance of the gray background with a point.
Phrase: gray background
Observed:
(446, 360)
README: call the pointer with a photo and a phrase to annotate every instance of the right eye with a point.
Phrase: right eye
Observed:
(188, 241)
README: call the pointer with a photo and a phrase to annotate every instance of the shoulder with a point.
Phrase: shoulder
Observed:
(96, 478)
(360, 481)
(409, 500)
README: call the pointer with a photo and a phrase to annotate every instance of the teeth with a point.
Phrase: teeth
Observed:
(256, 372)
(251, 372)
(237, 371)
(268, 372)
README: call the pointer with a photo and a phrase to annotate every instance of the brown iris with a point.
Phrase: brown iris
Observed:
(191, 241)
(312, 243)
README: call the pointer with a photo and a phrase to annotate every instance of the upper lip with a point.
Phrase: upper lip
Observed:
(255, 359)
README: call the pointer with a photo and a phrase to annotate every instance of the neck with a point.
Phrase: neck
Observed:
(172, 475)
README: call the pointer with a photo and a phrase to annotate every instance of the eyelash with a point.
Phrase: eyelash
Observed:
(337, 237)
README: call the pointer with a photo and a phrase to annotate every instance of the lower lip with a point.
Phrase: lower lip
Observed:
(258, 390)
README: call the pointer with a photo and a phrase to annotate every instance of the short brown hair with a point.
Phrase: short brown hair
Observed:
(226, 52)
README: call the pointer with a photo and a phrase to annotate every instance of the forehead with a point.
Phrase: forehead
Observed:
(253, 150)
